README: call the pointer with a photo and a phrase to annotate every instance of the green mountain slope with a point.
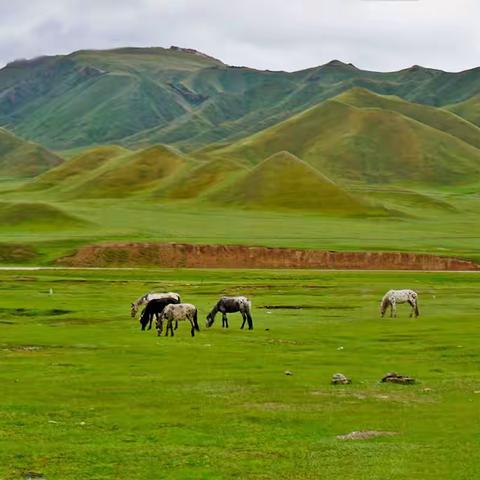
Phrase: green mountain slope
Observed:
(372, 145)
(469, 109)
(434, 117)
(19, 158)
(140, 96)
(284, 181)
(124, 175)
(76, 168)
(194, 181)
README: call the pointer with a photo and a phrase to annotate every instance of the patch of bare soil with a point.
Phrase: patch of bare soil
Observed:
(178, 255)
(366, 435)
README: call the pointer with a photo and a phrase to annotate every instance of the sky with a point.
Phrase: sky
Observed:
(382, 35)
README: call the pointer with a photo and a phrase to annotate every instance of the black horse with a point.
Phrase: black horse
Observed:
(155, 307)
(230, 305)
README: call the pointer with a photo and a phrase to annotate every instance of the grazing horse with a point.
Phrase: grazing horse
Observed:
(392, 297)
(177, 313)
(150, 296)
(230, 305)
(155, 307)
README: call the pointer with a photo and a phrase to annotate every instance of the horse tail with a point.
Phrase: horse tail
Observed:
(384, 304)
(195, 320)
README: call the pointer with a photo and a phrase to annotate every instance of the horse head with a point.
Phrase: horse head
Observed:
(133, 310)
(210, 319)
(144, 320)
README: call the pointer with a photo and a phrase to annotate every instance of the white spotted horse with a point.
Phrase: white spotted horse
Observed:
(394, 297)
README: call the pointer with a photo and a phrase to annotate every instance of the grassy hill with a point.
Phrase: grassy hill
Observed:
(284, 181)
(469, 109)
(436, 118)
(140, 96)
(373, 144)
(193, 182)
(111, 172)
(77, 167)
(37, 215)
(20, 158)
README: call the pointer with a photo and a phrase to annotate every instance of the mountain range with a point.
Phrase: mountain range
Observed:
(177, 125)
(140, 96)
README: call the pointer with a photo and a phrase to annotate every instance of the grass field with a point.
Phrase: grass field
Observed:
(87, 395)
(422, 221)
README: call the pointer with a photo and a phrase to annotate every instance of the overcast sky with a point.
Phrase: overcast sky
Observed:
(274, 34)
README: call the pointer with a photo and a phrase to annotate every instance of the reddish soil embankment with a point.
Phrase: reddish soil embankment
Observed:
(235, 256)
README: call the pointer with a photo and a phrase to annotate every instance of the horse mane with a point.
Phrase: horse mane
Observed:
(141, 299)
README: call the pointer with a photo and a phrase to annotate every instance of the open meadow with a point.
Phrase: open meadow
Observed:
(160, 157)
(86, 394)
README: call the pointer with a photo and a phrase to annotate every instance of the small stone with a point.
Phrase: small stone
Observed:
(340, 379)
(288, 372)
(393, 377)
(340, 348)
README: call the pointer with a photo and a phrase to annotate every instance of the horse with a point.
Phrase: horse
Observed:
(177, 313)
(231, 305)
(392, 297)
(150, 296)
(155, 307)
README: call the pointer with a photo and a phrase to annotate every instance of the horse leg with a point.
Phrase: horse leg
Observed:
(244, 320)
(192, 331)
(159, 326)
(250, 320)
(393, 310)
(176, 324)
(224, 320)
(413, 308)
(150, 321)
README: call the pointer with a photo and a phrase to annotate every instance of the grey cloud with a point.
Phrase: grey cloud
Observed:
(274, 34)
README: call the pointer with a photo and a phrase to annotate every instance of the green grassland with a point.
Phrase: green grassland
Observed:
(171, 145)
(444, 223)
(86, 394)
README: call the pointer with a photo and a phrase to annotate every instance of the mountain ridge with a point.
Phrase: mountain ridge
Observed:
(137, 96)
